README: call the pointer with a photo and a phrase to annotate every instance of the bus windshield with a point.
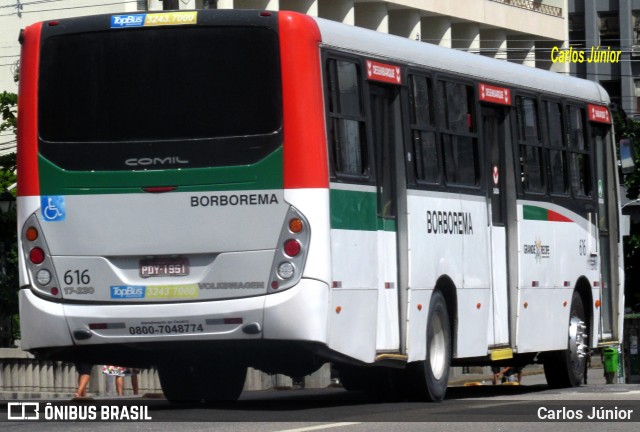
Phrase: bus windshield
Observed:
(159, 85)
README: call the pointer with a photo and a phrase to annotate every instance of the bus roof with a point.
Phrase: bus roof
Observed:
(373, 43)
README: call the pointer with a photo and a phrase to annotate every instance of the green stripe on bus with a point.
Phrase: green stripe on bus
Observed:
(530, 212)
(265, 174)
(357, 210)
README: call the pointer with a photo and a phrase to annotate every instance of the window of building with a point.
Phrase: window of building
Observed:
(637, 95)
(423, 134)
(531, 165)
(459, 138)
(577, 35)
(609, 27)
(346, 115)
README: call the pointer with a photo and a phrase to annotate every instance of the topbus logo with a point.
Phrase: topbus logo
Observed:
(122, 21)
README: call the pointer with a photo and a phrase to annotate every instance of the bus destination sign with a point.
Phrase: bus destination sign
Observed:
(599, 114)
(383, 72)
(494, 94)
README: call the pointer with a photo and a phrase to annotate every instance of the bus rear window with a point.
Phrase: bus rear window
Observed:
(185, 85)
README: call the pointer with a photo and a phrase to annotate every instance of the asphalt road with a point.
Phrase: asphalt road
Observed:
(479, 408)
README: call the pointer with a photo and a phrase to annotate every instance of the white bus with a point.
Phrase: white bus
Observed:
(212, 190)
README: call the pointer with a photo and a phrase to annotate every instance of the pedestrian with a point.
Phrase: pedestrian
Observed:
(84, 375)
(119, 373)
(511, 374)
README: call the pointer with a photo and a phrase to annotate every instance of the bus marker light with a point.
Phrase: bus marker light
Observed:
(54, 291)
(36, 255)
(564, 303)
(478, 306)
(275, 284)
(419, 307)
(31, 234)
(265, 14)
(295, 225)
(598, 303)
(292, 247)
(338, 309)
(336, 284)
(98, 326)
(526, 305)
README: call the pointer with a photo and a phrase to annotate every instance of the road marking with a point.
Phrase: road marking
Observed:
(323, 426)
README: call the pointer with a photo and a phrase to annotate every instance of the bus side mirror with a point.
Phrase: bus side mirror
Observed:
(627, 156)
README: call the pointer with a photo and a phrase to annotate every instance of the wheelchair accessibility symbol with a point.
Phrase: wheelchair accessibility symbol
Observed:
(53, 208)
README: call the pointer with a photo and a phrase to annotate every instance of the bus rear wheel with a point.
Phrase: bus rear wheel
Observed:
(429, 378)
(193, 383)
(379, 382)
(566, 368)
(179, 382)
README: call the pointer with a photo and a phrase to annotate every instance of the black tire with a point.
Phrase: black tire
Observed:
(379, 382)
(566, 368)
(179, 382)
(214, 382)
(222, 381)
(428, 379)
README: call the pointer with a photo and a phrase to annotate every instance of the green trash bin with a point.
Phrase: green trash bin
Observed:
(610, 359)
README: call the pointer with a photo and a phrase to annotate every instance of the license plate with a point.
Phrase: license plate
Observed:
(164, 267)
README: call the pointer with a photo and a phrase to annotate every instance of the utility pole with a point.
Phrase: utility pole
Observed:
(170, 5)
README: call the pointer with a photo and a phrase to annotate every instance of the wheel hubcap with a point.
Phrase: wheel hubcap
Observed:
(577, 340)
(437, 348)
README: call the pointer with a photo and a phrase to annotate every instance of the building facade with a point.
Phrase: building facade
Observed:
(614, 24)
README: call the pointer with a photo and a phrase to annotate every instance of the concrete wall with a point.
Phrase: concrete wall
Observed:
(22, 376)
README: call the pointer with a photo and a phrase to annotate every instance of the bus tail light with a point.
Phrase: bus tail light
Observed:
(36, 255)
(291, 254)
(38, 261)
(292, 247)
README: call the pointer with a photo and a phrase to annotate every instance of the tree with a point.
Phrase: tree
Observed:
(629, 128)
(8, 232)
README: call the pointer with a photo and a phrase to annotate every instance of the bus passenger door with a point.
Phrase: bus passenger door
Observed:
(387, 144)
(496, 132)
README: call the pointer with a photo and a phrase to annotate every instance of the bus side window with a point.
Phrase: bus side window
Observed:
(531, 167)
(423, 136)
(579, 154)
(556, 148)
(346, 119)
(458, 134)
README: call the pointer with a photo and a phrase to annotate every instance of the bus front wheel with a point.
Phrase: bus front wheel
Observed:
(429, 378)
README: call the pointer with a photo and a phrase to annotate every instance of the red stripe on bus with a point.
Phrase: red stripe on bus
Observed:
(305, 153)
(28, 178)
(557, 217)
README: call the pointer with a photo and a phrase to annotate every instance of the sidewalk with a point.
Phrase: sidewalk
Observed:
(531, 375)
